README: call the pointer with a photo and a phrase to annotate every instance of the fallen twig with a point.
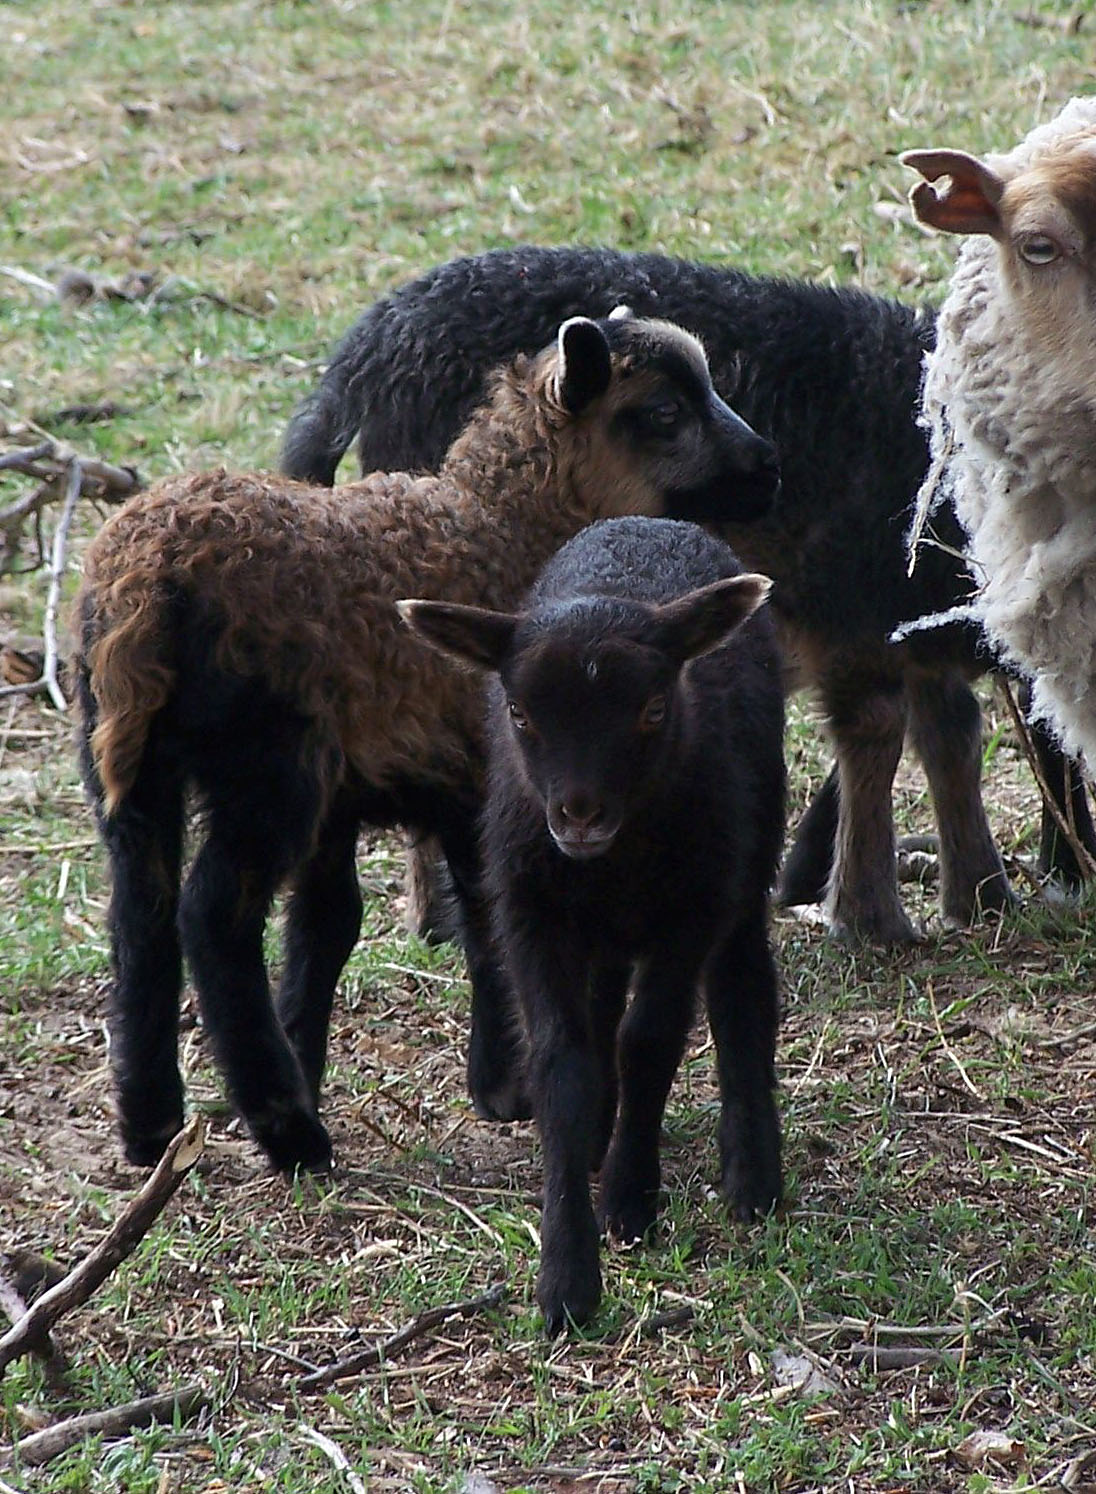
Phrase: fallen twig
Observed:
(49, 1443)
(898, 1356)
(45, 288)
(50, 464)
(48, 460)
(166, 293)
(655, 1322)
(1070, 24)
(432, 1318)
(338, 1458)
(56, 573)
(120, 1241)
(56, 468)
(24, 458)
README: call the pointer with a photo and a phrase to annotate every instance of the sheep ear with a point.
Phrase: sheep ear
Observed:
(585, 366)
(700, 621)
(473, 634)
(968, 204)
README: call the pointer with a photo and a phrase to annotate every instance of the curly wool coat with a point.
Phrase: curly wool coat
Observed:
(1010, 406)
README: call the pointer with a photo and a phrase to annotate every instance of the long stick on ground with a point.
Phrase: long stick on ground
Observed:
(433, 1317)
(120, 1241)
(49, 1443)
(56, 576)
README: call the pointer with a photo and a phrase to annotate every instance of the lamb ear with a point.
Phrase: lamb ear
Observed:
(701, 620)
(585, 366)
(970, 201)
(473, 634)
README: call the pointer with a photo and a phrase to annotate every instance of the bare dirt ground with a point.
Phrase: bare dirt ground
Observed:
(938, 1110)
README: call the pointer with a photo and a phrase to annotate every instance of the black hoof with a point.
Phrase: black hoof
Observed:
(568, 1298)
(293, 1141)
(145, 1148)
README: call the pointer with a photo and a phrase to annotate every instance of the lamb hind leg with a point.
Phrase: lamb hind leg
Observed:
(144, 843)
(610, 995)
(945, 728)
(868, 719)
(258, 830)
(1066, 782)
(496, 1067)
(323, 920)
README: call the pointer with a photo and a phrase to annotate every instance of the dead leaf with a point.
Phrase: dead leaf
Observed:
(802, 1372)
(990, 1447)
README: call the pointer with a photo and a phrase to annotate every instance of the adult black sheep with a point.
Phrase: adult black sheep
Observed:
(832, 376)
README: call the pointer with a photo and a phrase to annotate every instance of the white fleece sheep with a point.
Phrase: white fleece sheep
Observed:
(1010, 401)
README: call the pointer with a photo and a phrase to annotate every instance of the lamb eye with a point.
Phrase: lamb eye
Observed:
(1039, 249)
(517, 716)
(653, 714)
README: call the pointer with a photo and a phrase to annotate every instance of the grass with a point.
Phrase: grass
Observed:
(272, 169)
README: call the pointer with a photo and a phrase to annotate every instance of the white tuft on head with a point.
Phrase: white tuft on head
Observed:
(621, 313)
(561, 335)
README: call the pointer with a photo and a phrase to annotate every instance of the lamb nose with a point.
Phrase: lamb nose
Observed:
(580, 813)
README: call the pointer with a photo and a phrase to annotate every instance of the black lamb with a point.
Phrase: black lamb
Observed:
(632, 829)
(832, 376)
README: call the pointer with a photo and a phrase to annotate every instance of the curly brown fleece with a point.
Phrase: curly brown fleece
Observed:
(300, 581)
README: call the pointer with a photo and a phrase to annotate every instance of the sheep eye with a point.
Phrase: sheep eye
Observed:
(517, 716)
(1039, 249)
(653, 714)
(663, 419)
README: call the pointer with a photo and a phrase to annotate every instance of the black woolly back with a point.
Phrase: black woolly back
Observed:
(646, 560)
(832, 375)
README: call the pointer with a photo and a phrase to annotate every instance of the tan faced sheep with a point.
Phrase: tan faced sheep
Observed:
(1010, 400)
(240, 642)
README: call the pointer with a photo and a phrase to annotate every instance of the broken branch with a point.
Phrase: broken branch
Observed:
(49, 1443)
(56, 573)
(121, 1240)
(432, 1318)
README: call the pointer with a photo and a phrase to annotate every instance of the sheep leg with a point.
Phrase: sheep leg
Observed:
(805, 875)
(247, 854)
(564, 1074)
(496, 1077)
(946, 732)
(610, 993)
(1065, 780)
(323, 920)
(740, 988)
(650, 1044)
(428, 910)
(868, 719)
(144, 843)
